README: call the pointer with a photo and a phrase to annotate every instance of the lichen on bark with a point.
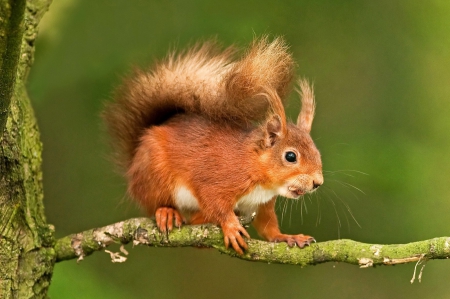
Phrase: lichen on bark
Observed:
(143, 231)
(26, 241)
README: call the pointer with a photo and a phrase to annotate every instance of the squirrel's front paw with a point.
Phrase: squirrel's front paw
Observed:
(233, 234)
(165, 217)
(291, 240)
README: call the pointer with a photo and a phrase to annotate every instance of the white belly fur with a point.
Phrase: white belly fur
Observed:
(185, 200)
(246, 205)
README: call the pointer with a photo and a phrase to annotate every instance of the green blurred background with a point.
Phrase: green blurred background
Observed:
(382, 77)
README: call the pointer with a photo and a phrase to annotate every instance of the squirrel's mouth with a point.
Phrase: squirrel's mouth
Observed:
(296, 192)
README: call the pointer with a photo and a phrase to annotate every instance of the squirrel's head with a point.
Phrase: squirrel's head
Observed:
(291, 160)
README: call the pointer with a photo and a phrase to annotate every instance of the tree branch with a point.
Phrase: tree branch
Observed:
(144, 231)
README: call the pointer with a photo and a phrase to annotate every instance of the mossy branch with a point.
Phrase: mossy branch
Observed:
(144, 231)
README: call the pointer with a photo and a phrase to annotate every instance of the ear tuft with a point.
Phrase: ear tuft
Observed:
(306, 115)
(273, 131)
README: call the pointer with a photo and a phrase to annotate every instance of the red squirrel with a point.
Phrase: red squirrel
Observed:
(203, 137)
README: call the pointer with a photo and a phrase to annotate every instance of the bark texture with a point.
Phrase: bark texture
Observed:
(26, 242)
(143, 231)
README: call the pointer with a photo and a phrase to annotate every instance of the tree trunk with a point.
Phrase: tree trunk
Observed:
(26, 241)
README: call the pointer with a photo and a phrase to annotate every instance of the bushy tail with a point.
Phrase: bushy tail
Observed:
(201, 80)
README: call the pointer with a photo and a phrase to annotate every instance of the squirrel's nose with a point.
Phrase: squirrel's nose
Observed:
(316, 184)
(317, 180)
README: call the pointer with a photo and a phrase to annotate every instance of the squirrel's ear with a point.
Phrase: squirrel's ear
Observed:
(273, 130)
(306, 115)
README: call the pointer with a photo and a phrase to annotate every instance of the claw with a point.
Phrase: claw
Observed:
(234, 234)
(303, 240)
(165, 217)
(300, 240)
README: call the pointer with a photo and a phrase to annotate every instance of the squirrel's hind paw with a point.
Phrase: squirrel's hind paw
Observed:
(165, 217)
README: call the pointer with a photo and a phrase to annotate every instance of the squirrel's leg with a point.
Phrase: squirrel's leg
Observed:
(232, 231)
(266, 224)
(231, 228)
(165, 216)
(221, 212)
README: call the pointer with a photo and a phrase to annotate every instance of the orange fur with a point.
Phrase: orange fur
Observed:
(204, 136)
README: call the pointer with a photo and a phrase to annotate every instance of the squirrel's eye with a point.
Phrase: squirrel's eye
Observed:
(290, 157)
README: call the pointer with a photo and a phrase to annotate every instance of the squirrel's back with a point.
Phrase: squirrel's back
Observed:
(202, 80)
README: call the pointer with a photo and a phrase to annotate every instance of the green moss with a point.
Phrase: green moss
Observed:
(143, 231)
(26, 254)
(11, 32)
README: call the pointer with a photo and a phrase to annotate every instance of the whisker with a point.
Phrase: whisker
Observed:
(290, 213)
(306, 208)
(345, 184)
(279, 199)
(319, 215)
(347, 207)
(303, 204)
(347, 187)
(335, 210)
(283, 211)
(346, 218)
(301, 210)
(326, 175)
(337, 216)
(280, 206)
(343, 171)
